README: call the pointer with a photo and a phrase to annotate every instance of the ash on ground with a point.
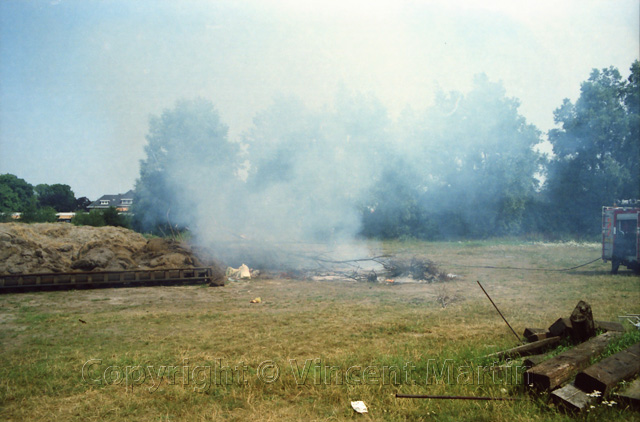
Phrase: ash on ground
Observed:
(383, 270)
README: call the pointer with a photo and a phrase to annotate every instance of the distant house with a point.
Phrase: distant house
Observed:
(122, 202)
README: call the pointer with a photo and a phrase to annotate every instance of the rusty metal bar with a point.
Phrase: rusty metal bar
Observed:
(503, 318)
(418, 396)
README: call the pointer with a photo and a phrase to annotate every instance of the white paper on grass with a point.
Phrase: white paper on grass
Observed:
(359, 406)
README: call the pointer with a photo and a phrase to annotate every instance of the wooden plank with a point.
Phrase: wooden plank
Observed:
(607, 373)
(527, 349)
(540, 336)
(528, 332)
(536, 334)
(609, 326)
(562, 328)
(572, 398)
(534, 360)
(555, 371)
(631, 394)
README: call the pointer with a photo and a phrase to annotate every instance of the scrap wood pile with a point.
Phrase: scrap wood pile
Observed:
(319, 262)
(417, 269)
(569, 376)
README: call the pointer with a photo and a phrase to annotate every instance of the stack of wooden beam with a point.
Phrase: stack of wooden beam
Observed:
(569, 376)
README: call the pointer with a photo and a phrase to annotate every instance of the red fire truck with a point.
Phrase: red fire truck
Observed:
(621, 235)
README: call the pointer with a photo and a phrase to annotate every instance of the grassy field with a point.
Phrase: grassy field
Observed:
(194, 353)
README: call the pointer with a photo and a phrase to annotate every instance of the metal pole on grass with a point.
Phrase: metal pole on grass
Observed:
(503, 318)
(417, 396)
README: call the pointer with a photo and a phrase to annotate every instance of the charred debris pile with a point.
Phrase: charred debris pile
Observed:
(318, 264)
(377, 269)
(578, 377)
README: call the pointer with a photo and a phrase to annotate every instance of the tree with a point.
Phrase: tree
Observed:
(15, 193)
(35, 214)
(597, 150)
(485, 159)
(393, 209)
(113, 218)
(99, 218)
(188, 158)
(94, 218)
(467, 169)
(82, 204)
(57, 196)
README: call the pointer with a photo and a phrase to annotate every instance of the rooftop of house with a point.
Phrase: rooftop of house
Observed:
(121, 200)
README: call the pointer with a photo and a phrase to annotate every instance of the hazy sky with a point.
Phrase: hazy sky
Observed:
(79, 79)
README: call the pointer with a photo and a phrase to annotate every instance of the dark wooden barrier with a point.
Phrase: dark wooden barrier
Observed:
(29, 282)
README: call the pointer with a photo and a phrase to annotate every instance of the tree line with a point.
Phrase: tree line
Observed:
(467, 167)
(36, 203)
(41, 203)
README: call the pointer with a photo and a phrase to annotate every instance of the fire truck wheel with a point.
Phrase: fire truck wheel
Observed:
(615, 264)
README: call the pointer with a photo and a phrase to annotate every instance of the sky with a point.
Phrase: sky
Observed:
(80, 79)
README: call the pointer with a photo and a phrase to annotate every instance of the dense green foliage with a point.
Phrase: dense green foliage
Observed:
(15, 193)
(99, 218)
(35, 214)
(94, 218)
(57, 196)
(40, 204)
(597, 150)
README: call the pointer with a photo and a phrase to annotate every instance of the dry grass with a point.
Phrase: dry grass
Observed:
(43, 344)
